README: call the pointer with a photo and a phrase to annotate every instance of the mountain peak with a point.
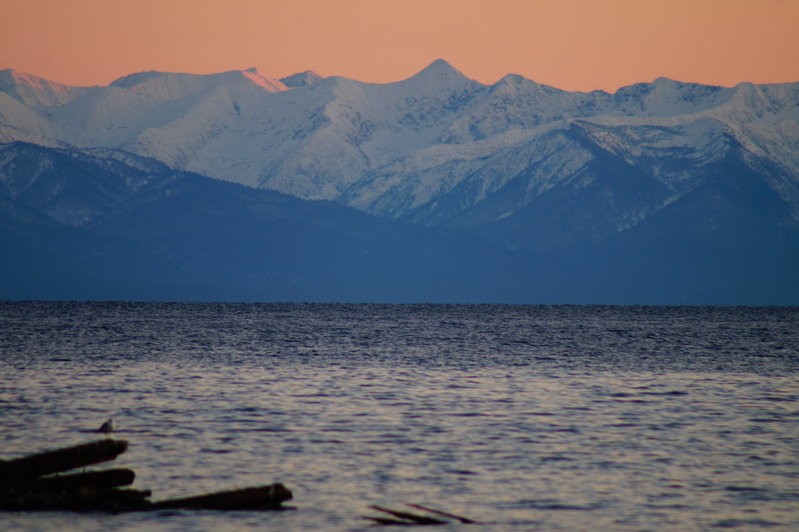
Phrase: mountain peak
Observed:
(172, 85)
(301, 79)
(439, 76)
(131, 80)
(440, 68)
(7, 73)
(33, 90)
(10, 77)
(664, 81)
(512, 78)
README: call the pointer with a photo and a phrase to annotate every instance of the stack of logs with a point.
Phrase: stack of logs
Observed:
(35, 482)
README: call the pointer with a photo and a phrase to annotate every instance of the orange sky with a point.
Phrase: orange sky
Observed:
(571, 44)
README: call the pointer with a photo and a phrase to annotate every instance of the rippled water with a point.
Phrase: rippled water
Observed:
(528, 418)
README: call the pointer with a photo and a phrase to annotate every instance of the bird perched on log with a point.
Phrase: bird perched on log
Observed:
(107, 427)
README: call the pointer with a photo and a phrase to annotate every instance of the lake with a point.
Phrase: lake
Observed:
(523, 417)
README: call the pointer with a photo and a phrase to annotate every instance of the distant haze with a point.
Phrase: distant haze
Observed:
(568, 44)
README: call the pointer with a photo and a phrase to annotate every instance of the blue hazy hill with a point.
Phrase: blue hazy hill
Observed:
(111, 225)
(153, 233)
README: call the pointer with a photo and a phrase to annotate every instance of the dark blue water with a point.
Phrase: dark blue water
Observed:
(529, 418)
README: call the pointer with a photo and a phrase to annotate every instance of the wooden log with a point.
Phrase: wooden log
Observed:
(99, 480)
(385, 521)
(464, 520)
(24, 485)
(126, 499)
(59, 460)
(410, 517)
(258, 498)
(85, 499)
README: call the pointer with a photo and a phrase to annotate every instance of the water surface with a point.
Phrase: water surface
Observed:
(529, 418)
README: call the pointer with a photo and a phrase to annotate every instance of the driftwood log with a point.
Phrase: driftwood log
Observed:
(257, 498)
(46, 463)
(26, 486)
(107, 479)
(405, 518)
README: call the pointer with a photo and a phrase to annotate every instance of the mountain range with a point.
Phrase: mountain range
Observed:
(239, 186)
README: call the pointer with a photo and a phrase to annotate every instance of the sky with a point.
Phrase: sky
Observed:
(570, 44)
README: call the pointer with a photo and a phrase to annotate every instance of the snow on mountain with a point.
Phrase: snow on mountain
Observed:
(267, 82)
(301, 79)
(660, 192)
(168, 86)
(430, 148)
(316, 141)
(34, 91)
(21, 122)
(69, 186)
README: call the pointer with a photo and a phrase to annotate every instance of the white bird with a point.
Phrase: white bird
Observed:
(107, 427)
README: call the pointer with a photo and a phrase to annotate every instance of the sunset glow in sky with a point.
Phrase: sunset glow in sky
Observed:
(571, 44)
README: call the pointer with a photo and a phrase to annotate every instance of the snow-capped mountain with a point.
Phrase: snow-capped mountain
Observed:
(536, 170)
(400, 149)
